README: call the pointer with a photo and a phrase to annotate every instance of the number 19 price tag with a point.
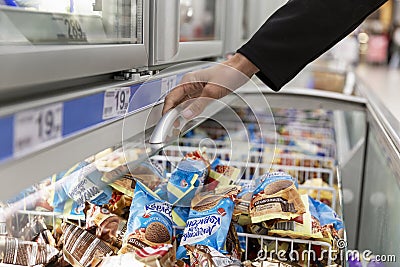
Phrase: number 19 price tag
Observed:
(36, 128)
(116, 102)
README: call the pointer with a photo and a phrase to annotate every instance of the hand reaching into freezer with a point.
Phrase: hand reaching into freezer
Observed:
(200, 87)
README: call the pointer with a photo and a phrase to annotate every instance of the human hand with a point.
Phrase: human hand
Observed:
(198, 88)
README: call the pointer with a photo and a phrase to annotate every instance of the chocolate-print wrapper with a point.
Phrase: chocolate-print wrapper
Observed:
(109, 227)
(232, 243)
(276, 198)
(26, 253)
(149, 223)
(81, 248)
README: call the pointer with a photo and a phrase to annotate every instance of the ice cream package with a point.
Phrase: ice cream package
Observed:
(108, 226)
(186, 179)
(242, 208)
(119, 204)
(85, 184)
(155, 256)
(302, 227)
(150, 221)
(222, 175)
(81, 248)
(319, 222)
(25, 253)
(150, 173)
(276, 198)
(201, 255)
(232, 243)
(328, 218)
(209, 219)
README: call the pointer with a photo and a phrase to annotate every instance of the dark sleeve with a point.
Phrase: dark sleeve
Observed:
(301, 31)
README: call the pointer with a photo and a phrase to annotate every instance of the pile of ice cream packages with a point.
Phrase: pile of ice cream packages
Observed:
(198, 216)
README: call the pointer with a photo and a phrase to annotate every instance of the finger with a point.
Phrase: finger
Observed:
(196, 106)
(182, 93)
(173, 98)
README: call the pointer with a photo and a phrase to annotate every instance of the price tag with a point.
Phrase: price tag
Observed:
(167, 84)
(69, 28)
(116, 102)
(37, 128)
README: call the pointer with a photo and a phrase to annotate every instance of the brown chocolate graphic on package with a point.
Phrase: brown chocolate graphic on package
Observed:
(208, 200)
(157, 233)
(205, 203)
(277, 186)
(278, 200)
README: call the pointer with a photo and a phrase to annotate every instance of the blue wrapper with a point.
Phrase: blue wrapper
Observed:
(180, 215)
(209, 226)
(150, 221)
(61, 201)
(325, 214)
(85, 184)
(185, 180)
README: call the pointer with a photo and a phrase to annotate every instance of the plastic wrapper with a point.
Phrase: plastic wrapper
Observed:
(222, 176)
(241, 213)
(109, 227)
(81, 248)
(187, 178)
(276, 198)
(149, 173)
(328, 218)
(161, 255)
(209, 219)
(157, 256)
(124, 185)
(150, 221)
(85, 185)
(36, 230)
(123, 260)
(60, 200)
(320, 222)
(201, 255)
(108, 160)
(25, 253)
(119, 204)
(180, 215)
(232, 243)
(299, 227)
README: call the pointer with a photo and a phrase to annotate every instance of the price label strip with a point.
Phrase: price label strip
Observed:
(37, 127)
(33, 129)
(167, 84)
(116, 102)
